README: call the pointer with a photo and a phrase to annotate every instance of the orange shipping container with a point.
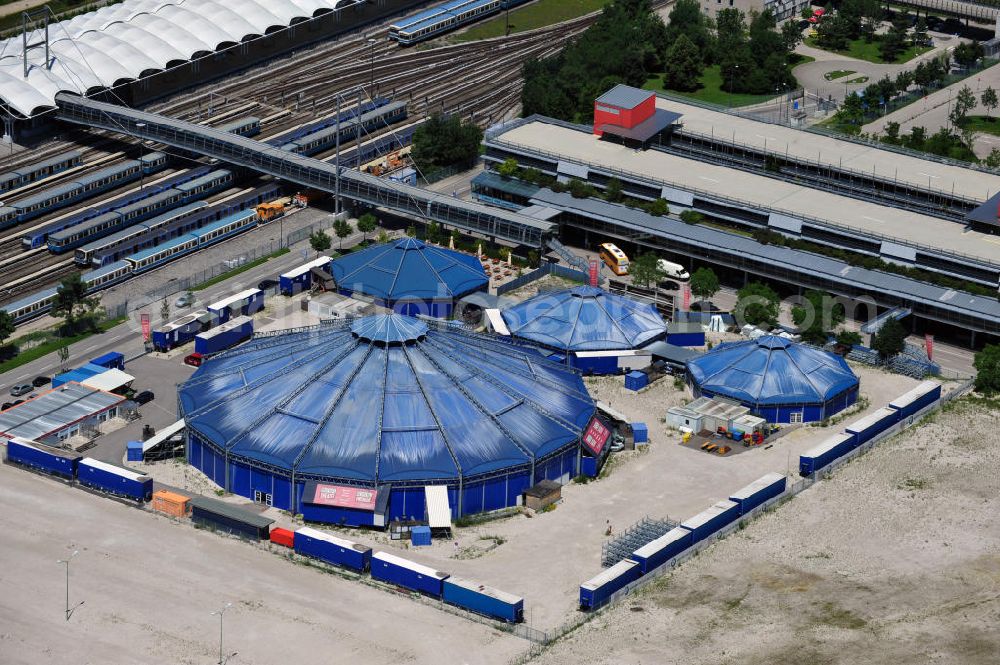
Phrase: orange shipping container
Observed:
(170, 503)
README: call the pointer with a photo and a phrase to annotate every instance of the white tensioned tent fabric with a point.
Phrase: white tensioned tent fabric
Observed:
(115, 44)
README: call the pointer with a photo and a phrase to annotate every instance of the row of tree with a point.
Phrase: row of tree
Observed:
(880, 94)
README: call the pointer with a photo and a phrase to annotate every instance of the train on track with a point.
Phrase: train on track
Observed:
(38, 171)
(319, 139)
(117, 218)
(445, 17)
(82, 187)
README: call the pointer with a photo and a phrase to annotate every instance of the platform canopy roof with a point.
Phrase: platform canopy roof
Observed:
(409, 269)
(135, 38)
(386, 398)
(585, 318)
(771, 370)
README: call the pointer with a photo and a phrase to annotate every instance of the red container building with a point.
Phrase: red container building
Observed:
(630, 114)
(283, 537)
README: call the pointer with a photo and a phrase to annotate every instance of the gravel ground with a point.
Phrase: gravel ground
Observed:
(896, 559)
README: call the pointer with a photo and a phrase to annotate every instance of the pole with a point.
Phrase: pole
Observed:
(69, 611)
(371, 77)
(222, 658)
(336, 161)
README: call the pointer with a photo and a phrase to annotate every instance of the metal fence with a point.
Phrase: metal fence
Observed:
(540, 272)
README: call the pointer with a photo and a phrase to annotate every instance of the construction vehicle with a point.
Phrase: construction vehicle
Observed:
(271, 210)
(394, 161)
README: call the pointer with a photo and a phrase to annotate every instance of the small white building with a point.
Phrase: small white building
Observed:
(61, 413)
(706, 413)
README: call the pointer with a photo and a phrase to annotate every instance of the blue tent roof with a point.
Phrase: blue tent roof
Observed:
(771, 370)
(336, 401)
(585, 318)
(409, 270)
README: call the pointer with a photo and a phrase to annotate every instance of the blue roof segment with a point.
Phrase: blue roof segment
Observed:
(408, 269)
(389, 329)
(585, 318)
(771, 370)
(327, 402)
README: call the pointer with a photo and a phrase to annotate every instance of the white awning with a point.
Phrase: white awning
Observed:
(497, 323)
(109, 381)
(162, 436)
(438, 509)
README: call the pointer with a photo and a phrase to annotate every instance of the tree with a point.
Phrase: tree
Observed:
(433, 232)
(920, 37)
(852, 111)
(848, 338)
(342, 229)
(165, 310)
(367, 223)
(989, 100)
(613, 190)
(445, 141)
(965, 101)
(791, 35)
(63, 355)
(658, 208)
(509, 168)
(687, 20)
(893, 42)
(890, 340)
(645, 269)
(987, 364)
(891, 132)
(321, 242)
(967, 54)
(758, 305)
(816, 316)
(382, 237)
(992, 160)
(71, 303)
(533, 258)
(691, 217)
(6, 326)
(683, 66)
(704, 283)
(411, 231)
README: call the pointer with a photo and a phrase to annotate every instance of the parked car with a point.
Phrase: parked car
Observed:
(6, 405)
(16, 402)
(266, 284)
(185, 300)
(193, 359)
(144, 397)
(41, 381)
(21, 389)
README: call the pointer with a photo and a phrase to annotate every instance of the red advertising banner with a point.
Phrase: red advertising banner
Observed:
(596, 435)
(361, 498)
(144, 319)
(593, 272)
(929, 343)
(686, 295)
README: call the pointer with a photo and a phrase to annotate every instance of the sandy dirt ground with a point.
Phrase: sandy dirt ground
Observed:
(896, 559)
(149, 585)
(544, 558)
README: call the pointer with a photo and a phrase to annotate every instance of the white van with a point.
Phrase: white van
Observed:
(673, 270)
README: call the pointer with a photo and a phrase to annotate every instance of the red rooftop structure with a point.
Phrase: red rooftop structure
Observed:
(631, 114)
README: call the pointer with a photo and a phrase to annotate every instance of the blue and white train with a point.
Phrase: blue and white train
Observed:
(326, 137)
(39, 170)
(183, 191)
(444, 17)
(83, 187)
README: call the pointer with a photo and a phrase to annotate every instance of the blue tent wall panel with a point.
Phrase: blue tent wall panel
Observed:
(239, 478)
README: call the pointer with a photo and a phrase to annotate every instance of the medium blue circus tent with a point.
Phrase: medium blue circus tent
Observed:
(777, 379)
(410, 277)
(387, 403)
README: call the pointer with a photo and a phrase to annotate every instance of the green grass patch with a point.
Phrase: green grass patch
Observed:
(796, 59)
(838, 74)
(710, 90)
(538, 14)
(869, 51)
(51, 343)
(236, 271)
(12, 21)
(982, 123)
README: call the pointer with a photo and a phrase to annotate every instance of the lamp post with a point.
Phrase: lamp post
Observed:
(142, 174)
(69, 611)
(732, 76)
(222, 658)
(371, 69)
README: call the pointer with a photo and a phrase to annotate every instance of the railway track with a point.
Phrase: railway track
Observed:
(480, 80)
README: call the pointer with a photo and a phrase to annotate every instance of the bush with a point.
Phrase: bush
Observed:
(692, 217)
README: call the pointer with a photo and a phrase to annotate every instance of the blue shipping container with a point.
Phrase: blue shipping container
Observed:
(596, 364)
(331, 549)
(589, 466)
(640, 433)
(408, 574)
(112, 360)
(598, 590)
(133, 451)
(912, 402)
(43, 458)
(484, 600)
(420, 536)
(759, 491)
(819, 456)
(686, 339)
(710, 520)
(654, 554)
(114, 480)
(872, 425)
(636, 380)
(224, 336)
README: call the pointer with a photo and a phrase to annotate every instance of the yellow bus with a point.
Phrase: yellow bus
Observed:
(614, 258)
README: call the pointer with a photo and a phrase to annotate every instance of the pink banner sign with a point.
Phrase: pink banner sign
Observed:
(360, 498)
(593, 272)
(144, 320)
(929, 343)
(596, 435)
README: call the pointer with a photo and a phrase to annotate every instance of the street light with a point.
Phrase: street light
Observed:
(223, 659)
(69, 611)
(371, 85)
